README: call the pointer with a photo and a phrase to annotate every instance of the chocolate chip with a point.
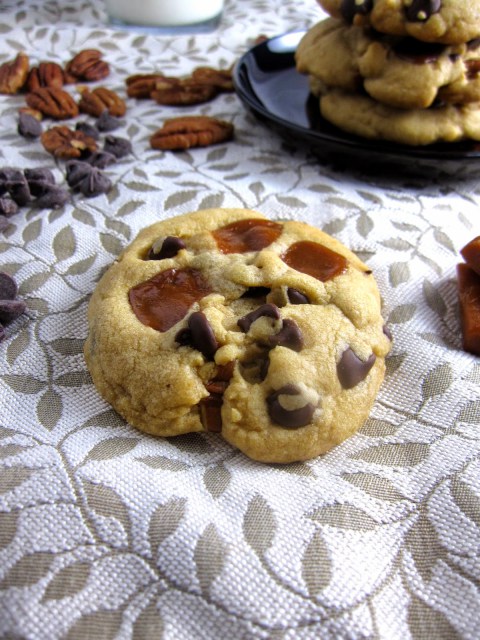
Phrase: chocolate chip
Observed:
(53, 197)
(168, 249)
(107, 122)
(296, 297)
(38, 180)
(269, 310)
(351, 369)
(289, 336)
(256, 292)
(211, 413)
(100, 159)
(350, 8)
(120, 147)
(29, 126)
(418, 52)
(89, 180)
(8, 287)
(7, 207)
(88, 130)
(422, 10)
(203, 338)
(11, 309)
(289, 419)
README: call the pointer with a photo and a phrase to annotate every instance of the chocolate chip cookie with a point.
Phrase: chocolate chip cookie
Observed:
(267, 333)
(443, 21)
(399, 72)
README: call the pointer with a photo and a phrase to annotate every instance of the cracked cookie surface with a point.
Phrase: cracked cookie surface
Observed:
(268, 333)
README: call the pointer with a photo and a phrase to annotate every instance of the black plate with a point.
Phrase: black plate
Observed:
(267, 82)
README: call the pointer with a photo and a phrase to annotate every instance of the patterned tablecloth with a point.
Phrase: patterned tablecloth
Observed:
(108, 533)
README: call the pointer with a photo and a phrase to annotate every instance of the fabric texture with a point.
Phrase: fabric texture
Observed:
(109, 533)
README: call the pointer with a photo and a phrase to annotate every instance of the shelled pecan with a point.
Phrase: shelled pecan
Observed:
(53, 102)
(87, 65)
(142, 85)
(13, 74)
(183, 92)
(191, 131)
(63, 142)
(46, 74)
(99, 100)
(219, 78)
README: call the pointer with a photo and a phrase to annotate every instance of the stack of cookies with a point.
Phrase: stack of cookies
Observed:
(407, 71)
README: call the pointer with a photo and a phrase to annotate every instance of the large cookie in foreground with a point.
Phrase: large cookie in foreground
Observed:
(444, 21)
(269, 333)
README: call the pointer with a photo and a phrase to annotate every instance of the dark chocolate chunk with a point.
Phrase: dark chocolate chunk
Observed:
(88, 130)
(89, 180)
(351, 369)
(8, 287)
(418, 52)
(296, 297)
(170, 247)
(11, 309)
(100, 159)
(268, 309)
(39, 180)
(289, 419)
(28, 126)
(7, 207)
(14, 182)
(211, 412)
(120, 147)
(256, 292)
(53, 197)
(107, 122)
(350, 8)
(289, 336)
(422, 10)
(203, 338)
(3, 335)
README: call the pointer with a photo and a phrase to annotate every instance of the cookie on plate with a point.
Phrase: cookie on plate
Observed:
(400, 72)
(444, 21)
(269, 333)
(363, 116)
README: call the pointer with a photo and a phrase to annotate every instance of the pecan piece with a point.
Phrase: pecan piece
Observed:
(219, 78)
(183, 92)
(13, 74)
(142, 85)
(87, 65)
(100, 99)
(53, 102)
(63, 142)
(47, 74)
(191, 131)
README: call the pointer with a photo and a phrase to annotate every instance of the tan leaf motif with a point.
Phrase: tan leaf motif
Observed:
(119, 227)
(470, 413)
(375, 486)
(209, 555)
(107, 503)
(395, 455)
(393, 362)
(13, 477)
(217, 479)
(402, 313)
(9, 450)
(100, 624)
(74, 379)
(259, 525)
(32, 231)
(5, 432)
(466, 499)
(67, 582)
(17, 346)
(179, 198)
(165, 521)
(84, 216)
(434, 299)
(316, 565)
(163, 462)
(24, 384)
(80, 267)
(108, 418)
(33, 283)
(398, 273)
(423, 543)
(378, 428)
(443, 239)
(344, 516)
(28, 570)
(129, 207)
(334, 226)
(425, 622)
(68, 346)
(290, 201)
(364, 224)
(111, 243)
(295, 469)
(49, 408)
(112, 448)
(8, 527)
(64, 244)
(191, 443)
(437, 381)
(212, 201)
(149, 624)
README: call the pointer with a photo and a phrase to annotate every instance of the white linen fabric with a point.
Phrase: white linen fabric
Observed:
(108, 533)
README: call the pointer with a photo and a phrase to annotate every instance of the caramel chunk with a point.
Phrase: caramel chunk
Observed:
(247, 235)
(469, 302)
(315, 260)
(165, 299)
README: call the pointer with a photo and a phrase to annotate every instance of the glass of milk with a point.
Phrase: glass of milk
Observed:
(165, 16)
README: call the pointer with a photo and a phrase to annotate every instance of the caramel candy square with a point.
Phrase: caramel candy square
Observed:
(469, 302)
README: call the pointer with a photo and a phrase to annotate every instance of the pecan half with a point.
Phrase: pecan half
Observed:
(191, 131)
(219, 78)
(47, 74)
(142, 85)
(88, 65)
(63, 142)
(53, 102)
(100, 99)
(183, 92)
(13, 74)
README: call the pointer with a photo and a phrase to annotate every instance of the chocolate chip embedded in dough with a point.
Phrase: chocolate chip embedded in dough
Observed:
(211, 413)
(296, 297)
(350, 8)
(289, 418)
(351, 369)
(168, 248)
(289, 336)
(203, 338)
(268, 309)
(421, 10)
